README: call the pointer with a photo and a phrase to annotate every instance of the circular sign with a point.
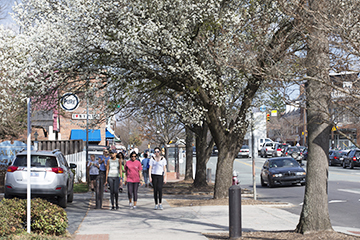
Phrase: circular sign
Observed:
(263, 108)
(69, 102)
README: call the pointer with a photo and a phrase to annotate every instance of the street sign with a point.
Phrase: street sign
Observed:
(84, 116)
(262, 108)
(69, 102)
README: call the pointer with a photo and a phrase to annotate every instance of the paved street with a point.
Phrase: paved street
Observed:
(344, 190)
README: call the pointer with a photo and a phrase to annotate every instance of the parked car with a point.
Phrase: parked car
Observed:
(279, 149)
(293, 152)
(244, 151)
(352, 159)
(267, 149)
(282, 171)
(50, 175)
(336, 157)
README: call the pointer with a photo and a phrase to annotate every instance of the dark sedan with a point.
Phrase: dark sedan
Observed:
(282, 171)
(336, 157)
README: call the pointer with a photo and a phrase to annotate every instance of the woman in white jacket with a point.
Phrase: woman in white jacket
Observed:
(157, 176)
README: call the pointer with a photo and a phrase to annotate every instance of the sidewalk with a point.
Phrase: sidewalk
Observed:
(180, 222)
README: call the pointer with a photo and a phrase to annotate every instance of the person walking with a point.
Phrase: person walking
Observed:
(102, 173)
(93, 166)
(157, 176)
(133, 174)
(121, 157)
(113, 173)
(145, 165)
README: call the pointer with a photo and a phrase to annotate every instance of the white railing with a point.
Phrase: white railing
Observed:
(80, 160)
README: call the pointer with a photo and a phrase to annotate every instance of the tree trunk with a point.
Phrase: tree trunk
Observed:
(189, 154)
(203, 153)
(315, 212)
(224, 168)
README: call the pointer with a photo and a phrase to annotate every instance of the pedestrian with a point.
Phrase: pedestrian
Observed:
(102, 173)
(113, 173)
(93, 166)
(133, 174)
(145, 166)
(157, 176)
(121, 157)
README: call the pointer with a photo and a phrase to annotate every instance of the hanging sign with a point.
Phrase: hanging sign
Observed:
(69, 102)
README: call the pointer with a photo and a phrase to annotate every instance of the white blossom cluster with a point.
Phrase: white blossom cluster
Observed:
(205, 48)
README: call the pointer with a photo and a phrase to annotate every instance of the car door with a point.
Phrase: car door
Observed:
(265, 171)
(67, 172)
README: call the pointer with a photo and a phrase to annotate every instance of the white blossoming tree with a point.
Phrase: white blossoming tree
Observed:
(206, 51)
(218, 54)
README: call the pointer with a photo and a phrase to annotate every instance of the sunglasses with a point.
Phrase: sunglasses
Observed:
(133, 156)
(157, 151)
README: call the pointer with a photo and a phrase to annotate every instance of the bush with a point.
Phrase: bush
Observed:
(46, 218)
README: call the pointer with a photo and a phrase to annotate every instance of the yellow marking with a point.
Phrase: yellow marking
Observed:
(247, 164)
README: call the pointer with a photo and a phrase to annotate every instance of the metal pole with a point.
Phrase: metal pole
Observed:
(28, 215)
(253, 153)
(97, 193)
(87, 135)
(235, 212)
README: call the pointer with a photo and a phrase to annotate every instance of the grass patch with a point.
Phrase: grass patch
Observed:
(81, 187)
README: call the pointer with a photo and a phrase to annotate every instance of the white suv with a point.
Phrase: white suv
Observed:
(267, 149)
(50, 176)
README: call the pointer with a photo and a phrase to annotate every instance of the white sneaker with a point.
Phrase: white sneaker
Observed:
(134, 207)
(161, 207)
(156, 207)
(131, 206)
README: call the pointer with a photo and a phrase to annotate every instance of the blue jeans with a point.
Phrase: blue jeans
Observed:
(146, 176)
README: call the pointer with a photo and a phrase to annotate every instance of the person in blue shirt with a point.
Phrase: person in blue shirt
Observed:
(145, 166)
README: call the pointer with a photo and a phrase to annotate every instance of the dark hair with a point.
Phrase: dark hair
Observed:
(120, 155)
(157, 148)
(145, 155)
(133, 153)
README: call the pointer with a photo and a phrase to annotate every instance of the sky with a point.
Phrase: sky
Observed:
(6, 19)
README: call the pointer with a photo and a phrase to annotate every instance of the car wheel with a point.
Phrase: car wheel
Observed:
(262, 182)
(7, 196)
(344, 164)
(71, 196)
(303, 184)
(352, 164)
(270, 184)
(62, 200)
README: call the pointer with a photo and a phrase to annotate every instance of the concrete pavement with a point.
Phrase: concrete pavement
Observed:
(174, 222)
(179, 222)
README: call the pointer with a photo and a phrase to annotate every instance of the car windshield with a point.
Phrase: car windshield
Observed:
(245, 147)
(36, 161)
(292, 150)
(279, 163)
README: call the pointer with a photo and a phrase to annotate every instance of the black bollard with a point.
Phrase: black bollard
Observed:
(235, 212)
(97, 193)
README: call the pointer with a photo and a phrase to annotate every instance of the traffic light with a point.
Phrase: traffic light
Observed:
(268, 117)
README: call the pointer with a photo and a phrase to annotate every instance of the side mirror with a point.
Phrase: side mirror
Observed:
(73, 165)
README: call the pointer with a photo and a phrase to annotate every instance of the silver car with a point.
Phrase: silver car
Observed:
(50, 176)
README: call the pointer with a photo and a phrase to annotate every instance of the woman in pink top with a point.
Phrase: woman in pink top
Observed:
(133, 171)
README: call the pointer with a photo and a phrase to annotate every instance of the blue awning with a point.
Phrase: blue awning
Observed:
(109, 134)
(80, 134)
